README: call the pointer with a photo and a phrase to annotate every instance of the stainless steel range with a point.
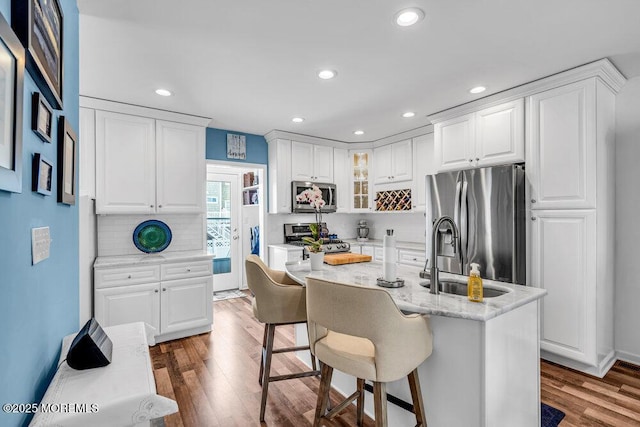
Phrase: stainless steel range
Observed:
(293, 234)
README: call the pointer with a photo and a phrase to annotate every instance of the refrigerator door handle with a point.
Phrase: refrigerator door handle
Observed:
(463, 225)
(456, 206)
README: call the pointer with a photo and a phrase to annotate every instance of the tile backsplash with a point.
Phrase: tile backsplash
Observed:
(115, 233)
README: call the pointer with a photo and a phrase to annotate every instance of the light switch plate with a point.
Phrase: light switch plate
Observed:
(40, 243)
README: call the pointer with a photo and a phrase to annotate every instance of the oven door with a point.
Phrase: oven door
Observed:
(328, 195)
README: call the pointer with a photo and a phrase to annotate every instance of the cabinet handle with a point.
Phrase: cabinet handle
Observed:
(156, 291)
(188, 270)
(150, 206)
(164, 289)
(470, 160)
(477, 159)
(129, 277)
(533, 200)
(533, 218)
(159, 206)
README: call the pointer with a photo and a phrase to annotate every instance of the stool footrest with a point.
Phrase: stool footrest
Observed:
(333, 412)
(288, 349)
(296, 375)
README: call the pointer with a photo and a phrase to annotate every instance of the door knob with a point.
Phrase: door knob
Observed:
(235, 237)
(533, 218)
(533, 200)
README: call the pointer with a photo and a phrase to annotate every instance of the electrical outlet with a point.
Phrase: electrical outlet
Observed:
(40, 244)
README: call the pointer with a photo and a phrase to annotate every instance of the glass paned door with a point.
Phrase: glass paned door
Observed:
(223, 209)
(360, 179)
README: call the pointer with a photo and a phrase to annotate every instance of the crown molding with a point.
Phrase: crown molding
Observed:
(137, 110)
(602, 69)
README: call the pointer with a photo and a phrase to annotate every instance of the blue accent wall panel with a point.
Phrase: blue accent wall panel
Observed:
(38, 303)
(257, 151)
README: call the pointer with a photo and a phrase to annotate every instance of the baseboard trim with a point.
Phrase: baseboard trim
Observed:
(628, 357)
(599, 371)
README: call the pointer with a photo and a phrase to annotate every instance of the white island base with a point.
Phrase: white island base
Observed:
(481, 373)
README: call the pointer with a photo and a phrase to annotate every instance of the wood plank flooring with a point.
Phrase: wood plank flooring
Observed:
(214, 379)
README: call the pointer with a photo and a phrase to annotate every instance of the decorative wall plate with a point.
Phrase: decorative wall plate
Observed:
(152, 236)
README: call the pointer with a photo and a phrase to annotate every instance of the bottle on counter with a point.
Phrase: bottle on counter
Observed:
(474, 285)
(389, 257)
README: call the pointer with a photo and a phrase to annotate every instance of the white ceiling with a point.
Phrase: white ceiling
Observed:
(251, 64)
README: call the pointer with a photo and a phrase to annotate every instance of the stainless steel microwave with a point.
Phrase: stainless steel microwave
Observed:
(328, 195)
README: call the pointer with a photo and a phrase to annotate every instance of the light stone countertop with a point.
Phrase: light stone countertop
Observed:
(168, 257)
(286, 246)
(415, 298)
(412, 246)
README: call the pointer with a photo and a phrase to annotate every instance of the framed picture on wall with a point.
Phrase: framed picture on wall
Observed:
(41, 117)
(67, 161)
(39, 26)
(12, 63)
(236, 146)
(42, 174)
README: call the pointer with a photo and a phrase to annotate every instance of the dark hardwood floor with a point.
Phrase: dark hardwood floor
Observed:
(214, 379)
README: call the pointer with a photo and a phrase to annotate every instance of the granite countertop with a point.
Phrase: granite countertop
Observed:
(123, 260)
(413, 246)
(415, 298)
(286, 246)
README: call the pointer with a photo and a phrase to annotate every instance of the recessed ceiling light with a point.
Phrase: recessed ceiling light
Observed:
(477, 89)
(163, 92)
(408, 17)
(297, 119)
(408, 114)
(358, 132)
(327, 74)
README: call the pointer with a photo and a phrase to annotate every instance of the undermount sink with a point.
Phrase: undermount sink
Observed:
(460, 288)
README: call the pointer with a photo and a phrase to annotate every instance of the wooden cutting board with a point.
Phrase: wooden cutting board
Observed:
(346, 258)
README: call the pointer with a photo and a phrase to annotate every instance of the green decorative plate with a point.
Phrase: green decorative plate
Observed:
(152, 236)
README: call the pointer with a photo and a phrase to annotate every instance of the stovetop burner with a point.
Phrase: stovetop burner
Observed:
(293, 234)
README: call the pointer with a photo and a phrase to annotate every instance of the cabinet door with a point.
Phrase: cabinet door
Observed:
(186, 304)
(360, 191)
(341, 178)
(366, 250)
(402, 161)
(280, 176)
(383, 165)
(180, 167)
(323, 163)
(126, 304)
(563, 262)
(454, 143)
(302, 161)
(500, 134)
(423, 165)
(561, 160)
(125, 164)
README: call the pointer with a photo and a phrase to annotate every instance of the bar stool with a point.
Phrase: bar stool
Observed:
(278, 301)
(361, 332)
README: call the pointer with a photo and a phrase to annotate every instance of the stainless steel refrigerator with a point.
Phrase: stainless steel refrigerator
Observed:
(488, 206)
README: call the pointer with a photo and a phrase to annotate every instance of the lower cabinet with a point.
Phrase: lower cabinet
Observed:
(279, 256)
(178, 305)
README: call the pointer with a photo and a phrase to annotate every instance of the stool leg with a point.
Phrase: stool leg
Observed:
(380, 403)
(264, 346)
(267, 368)
(313, 358)
(323, 393)
(360, 403)
(416, 396)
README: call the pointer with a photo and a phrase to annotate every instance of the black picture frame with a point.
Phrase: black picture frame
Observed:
(42, 175)
(67, 162)
(11, 111)
(39, 26)
(41, 117)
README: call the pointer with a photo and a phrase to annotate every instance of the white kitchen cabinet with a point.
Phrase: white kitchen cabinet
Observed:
(361, 195)
(176, 298)
(279, 176)
(564, 263)
(393, 162)
(488, 137)
(415, 258)
(311, 162)
(341, 178)
(423, 165)
(146, 166)
(561, 160)
(279, 255)
(366, 250)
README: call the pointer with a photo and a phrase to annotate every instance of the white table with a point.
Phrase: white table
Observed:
(122, 393)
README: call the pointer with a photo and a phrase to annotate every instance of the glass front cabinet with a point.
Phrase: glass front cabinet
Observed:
(361, 161)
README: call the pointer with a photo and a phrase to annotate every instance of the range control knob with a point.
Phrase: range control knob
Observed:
(328, 247)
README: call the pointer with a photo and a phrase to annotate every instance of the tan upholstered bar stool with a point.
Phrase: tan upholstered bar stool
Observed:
(278, 301)
(361, 332)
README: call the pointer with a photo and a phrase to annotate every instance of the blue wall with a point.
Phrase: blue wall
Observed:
(38, 303)
(257, 151)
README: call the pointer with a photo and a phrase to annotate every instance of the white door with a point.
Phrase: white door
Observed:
(500, 134)
(126, 304)
(563, 262)
(323, 163)
(186, 304)
(302, 161)
(402, 155)
(455, 143)
(383, 165)
(223, 233)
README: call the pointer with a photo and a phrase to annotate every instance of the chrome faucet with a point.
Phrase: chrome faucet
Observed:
(435, 273)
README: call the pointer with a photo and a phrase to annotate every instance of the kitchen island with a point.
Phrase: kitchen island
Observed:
(485, 367)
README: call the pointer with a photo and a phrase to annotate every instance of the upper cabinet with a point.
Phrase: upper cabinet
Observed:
(341, 178)
(393, 162)
(360, 189)
(423, 165)
(488, 137)
(146, 166)
(280, 176)
(311, 162)
(561, 160)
